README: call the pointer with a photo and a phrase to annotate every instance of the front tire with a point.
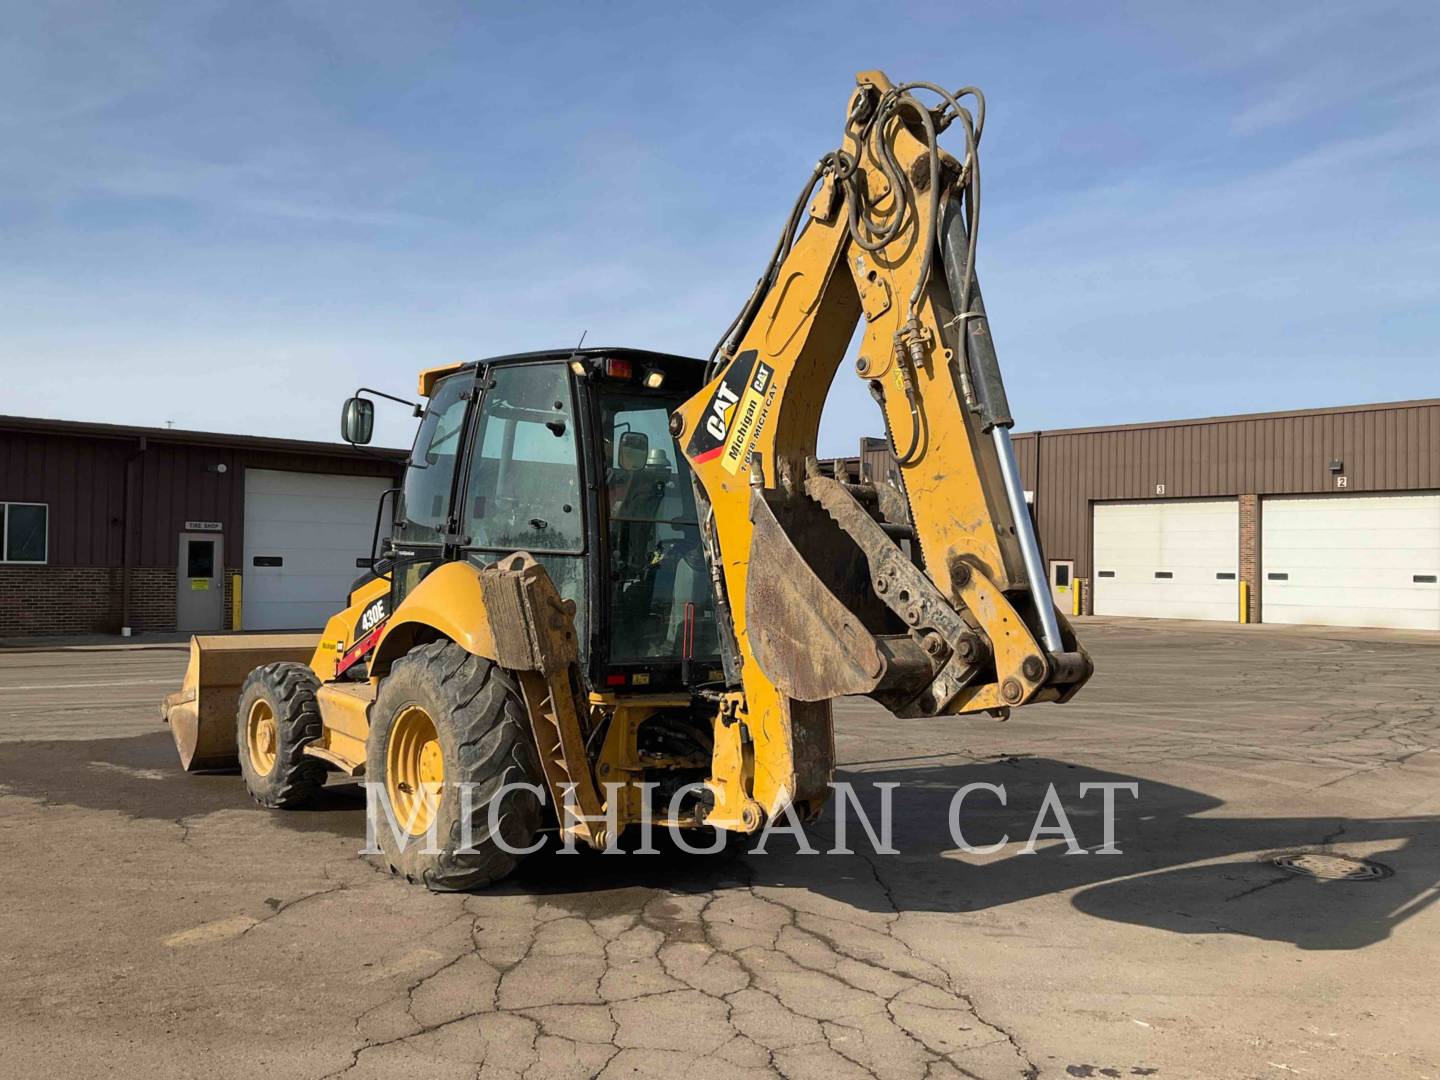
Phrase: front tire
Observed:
(276, 718)
(445, 718)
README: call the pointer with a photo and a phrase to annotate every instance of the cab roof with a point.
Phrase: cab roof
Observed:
(430, 376)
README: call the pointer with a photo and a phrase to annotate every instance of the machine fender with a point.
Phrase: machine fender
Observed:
(449, 603)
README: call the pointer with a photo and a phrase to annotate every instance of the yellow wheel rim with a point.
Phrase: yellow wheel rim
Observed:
(414, 770)
(262, 737)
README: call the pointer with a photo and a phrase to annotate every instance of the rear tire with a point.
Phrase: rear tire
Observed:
(276, 718)
(441, 695)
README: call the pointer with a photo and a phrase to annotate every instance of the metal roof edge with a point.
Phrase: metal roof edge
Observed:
(1332, 410)
(95, 429)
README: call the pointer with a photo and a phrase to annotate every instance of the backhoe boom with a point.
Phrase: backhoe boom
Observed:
(820, 597)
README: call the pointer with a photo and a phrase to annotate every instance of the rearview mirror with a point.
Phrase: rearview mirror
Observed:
(634, 449)
(357, 421)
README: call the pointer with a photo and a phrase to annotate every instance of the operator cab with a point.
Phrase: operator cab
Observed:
(568, 455)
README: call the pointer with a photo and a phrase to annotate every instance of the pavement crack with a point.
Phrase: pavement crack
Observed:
(1258, 888)
(279, 909)
(1031, 1069)
(183, 821)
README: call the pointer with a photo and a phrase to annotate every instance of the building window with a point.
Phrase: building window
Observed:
(24, 532)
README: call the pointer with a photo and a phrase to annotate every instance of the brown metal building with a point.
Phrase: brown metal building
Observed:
(1317, 515)
(1333, 515)
(104, 526)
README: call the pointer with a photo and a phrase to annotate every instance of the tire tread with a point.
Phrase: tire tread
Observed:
(298, 777)
(492, 744)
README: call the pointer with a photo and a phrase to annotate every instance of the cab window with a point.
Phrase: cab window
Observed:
(660, 597)
(430, 475)
(523, 492)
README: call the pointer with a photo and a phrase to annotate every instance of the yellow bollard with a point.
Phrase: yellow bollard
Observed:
(235, 598)
(1244, 601)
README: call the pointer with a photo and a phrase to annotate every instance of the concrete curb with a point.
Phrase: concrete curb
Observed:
(32, 645)
(1340, 633)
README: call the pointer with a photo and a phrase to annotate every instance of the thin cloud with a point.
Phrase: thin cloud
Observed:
(1326, 91)
(1178, 203)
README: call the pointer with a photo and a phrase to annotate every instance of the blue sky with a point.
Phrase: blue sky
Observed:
(227, 215)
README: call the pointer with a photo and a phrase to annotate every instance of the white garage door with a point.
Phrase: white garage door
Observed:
(303, 533)
(1351, 560)
(1168, 560)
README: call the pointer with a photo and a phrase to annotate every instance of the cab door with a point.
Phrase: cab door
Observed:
(523, 489)
(424, 532)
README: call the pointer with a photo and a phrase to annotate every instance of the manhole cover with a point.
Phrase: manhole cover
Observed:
(1318, 864)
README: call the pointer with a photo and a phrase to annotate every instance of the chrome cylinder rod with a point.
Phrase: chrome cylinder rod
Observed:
(1029, 546)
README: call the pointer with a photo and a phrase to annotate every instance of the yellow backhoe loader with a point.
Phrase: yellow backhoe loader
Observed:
(619, 586)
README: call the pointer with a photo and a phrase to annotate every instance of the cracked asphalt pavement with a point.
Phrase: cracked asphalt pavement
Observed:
(160, 925)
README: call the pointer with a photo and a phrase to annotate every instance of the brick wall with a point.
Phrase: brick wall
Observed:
(52, 600)
(152, 599)
(226, 620)
(59, 600)
(1250, 550)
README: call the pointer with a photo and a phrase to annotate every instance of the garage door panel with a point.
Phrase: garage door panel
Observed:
(1337, 550)
(1396, 510)
(1328, 614)
(282, 614)
(1363, 563)
(1321, 593)
(269, 583)
(296, 482)
(300, 508)
(1189, 541)
(1150, 559)
(1351, 560)
(1385, 529)
(317, 525)
(306, 562)
(271, 601)
(302, 536)
(1156, 604)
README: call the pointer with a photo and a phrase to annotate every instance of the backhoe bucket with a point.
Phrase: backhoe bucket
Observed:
(816, 623)
(202, 714)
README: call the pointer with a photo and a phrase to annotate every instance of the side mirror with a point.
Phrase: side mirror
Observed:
(634, 449)
(357, 421)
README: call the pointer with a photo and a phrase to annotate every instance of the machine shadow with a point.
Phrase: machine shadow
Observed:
(137, 775)
(1183, 866)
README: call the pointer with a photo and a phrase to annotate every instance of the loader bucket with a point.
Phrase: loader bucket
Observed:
(202, 714)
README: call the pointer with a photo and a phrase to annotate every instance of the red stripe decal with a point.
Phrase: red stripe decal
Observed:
(354, 654)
